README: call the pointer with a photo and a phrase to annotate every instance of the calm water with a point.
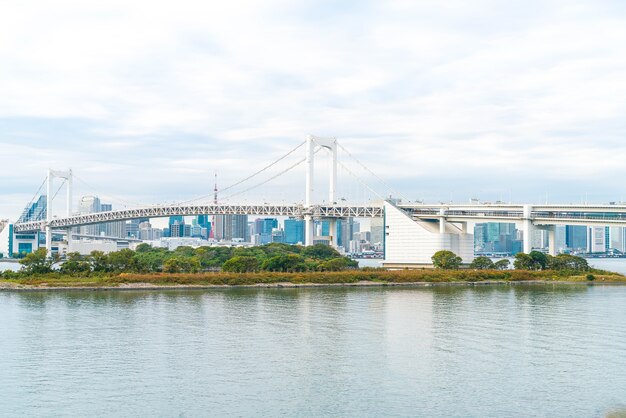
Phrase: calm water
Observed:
(557, 351)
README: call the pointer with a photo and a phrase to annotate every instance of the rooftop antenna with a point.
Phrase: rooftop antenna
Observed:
(215, 190)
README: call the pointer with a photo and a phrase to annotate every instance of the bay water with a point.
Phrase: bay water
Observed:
(438, 351)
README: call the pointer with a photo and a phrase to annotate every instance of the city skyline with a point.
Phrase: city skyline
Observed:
(484, 100)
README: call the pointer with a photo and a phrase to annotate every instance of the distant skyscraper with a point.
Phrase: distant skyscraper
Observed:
(596, 239)
(376, 227)
(240, 229)
(576, 237)
(89, 204)
(294, 231)
(263, 228)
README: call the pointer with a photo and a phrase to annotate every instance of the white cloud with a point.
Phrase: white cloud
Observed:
(148, 99)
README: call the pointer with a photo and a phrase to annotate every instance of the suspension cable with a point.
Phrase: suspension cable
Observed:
(265, 181)
(124, 202)
(248, 177)
(389, 188)
(58, 190)
(37, 192)
(363, 183)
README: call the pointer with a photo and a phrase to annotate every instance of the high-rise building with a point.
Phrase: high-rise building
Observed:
(596, 239)
(576, 237)
(231, 228)
(294, 231)
(223, 227)
(618, 239)
(204, 222)
(35, 211)
(376, 228)
(89, 204)
(263, 228)
(240, 231)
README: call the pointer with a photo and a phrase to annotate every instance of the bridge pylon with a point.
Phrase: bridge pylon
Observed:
(67, 176)
(312, 143)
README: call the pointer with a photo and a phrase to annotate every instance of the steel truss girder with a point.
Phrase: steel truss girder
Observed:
(297, 211)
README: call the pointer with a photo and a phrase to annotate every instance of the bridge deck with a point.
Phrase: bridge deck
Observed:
(297, 211)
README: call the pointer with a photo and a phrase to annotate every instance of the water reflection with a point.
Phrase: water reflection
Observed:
(514, 350)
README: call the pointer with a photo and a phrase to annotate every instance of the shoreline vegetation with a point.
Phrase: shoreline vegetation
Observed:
(280, 265)
(363, 277)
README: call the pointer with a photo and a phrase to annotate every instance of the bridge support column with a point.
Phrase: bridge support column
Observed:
(552, 240)
(48, 240)
(308, 230)
(442, 221)
(528, 229)
(69, 240)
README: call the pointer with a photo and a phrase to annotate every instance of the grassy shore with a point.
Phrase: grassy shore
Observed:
(126, 280)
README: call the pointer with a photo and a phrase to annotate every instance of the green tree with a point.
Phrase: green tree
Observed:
(99, 261)
(540, 259)
(338, 264)
(568, 262)
(524, 261)
(181, 265)
(502, 264)
(150, 261)
(143, 248)
(241, 264)
(75, 263)
(320, 252)
(38, 262)
(122, 260)
(446, 260)
(284, 263)
(482, 263)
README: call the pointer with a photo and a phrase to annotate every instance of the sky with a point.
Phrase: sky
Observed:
(521, 101)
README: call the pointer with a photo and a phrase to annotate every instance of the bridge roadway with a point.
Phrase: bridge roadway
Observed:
(571, 214)
(600, 215)
(297, 211)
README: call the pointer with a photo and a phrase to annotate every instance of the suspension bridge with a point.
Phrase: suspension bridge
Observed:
(412, 231)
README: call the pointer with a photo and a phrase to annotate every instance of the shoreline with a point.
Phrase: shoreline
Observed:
(287, 285)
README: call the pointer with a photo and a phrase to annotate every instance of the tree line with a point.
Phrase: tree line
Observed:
(274, 257)
(535, 260)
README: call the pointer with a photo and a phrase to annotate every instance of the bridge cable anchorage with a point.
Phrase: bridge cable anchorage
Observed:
(363, 183)
(248, 177)
(265, 181)
(389, 188)
(32, 200)
(125, 203)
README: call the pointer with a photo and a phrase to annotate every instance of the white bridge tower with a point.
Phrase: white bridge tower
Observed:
(312, 143)
(67, 176)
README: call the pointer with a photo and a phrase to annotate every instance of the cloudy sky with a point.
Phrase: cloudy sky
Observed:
(145, 100)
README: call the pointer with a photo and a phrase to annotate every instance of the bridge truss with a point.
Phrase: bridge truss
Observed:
(296, 211)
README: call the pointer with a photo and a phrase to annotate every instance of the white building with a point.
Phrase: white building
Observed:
(410, 243)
